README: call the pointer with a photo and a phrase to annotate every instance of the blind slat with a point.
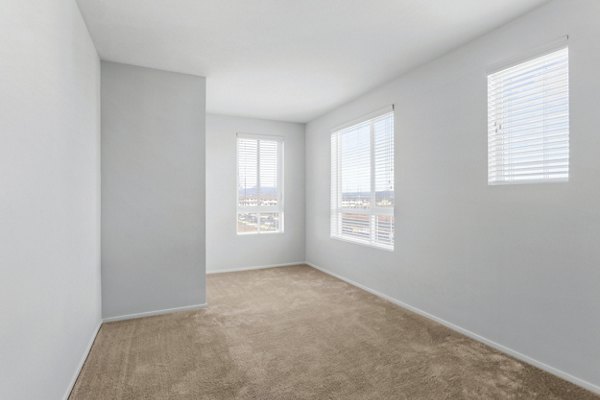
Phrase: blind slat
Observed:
(545, 136)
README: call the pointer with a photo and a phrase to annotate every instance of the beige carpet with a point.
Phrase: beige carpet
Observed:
(296, 333)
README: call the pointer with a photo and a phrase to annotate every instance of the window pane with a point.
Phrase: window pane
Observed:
(384, 229)
(247, 172)
(247, 223)
(357, 226)
(384, 162)
(268, 172)
(269, 222)
(356, 167)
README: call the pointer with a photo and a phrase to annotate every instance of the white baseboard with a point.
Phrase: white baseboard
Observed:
(156, 312)
(82, 361)
(222, 271)
(554, 371)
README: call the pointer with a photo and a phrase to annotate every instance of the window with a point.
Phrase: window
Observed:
(528, 121)
(362, 182)
(260, 184)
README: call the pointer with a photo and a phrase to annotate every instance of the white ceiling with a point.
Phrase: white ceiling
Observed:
(290, 60)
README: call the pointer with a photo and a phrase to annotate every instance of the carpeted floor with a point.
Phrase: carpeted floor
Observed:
(296, 333)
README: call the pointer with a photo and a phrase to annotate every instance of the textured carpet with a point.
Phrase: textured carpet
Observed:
(296, 333)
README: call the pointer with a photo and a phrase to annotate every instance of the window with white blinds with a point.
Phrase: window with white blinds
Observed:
(362, 182)
(260, 184)
(528, 121)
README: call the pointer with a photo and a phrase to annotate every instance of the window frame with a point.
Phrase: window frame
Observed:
(258, 210)
(373, 211)
(497, 179)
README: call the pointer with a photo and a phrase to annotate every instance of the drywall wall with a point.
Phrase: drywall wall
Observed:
(225, 249)
(153, 226)
(519, 264)
(49, 197)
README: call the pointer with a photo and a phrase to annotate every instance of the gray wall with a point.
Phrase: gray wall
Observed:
(153, 224)
(518, 265)
(49, 197)
(251, 250)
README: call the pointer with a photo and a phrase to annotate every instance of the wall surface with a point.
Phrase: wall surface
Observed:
(153, 225)
(50, 197)
(225, 249)
(518, 265)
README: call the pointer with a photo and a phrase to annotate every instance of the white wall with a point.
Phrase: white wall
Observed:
(519, 265)
(153, 174)
(225, 249)
(49, 197)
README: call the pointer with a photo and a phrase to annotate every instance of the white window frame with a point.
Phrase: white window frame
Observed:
(280, 182)
(495, 159)
(373, 211)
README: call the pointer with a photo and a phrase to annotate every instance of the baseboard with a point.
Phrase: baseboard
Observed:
(82, 361)
(513, 353)
(156, 312)
(222, 271)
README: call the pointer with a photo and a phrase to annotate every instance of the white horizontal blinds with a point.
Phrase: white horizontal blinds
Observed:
(260, 200)
(269, 188)
(362, 181)
(528, 121)
(335, 185)
(247, 150)
(383, 134)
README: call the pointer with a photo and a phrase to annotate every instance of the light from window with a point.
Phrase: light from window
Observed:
(260, 184)
(528, 121)
(362, 182)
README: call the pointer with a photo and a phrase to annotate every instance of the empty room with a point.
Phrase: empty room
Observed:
(299, 199)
